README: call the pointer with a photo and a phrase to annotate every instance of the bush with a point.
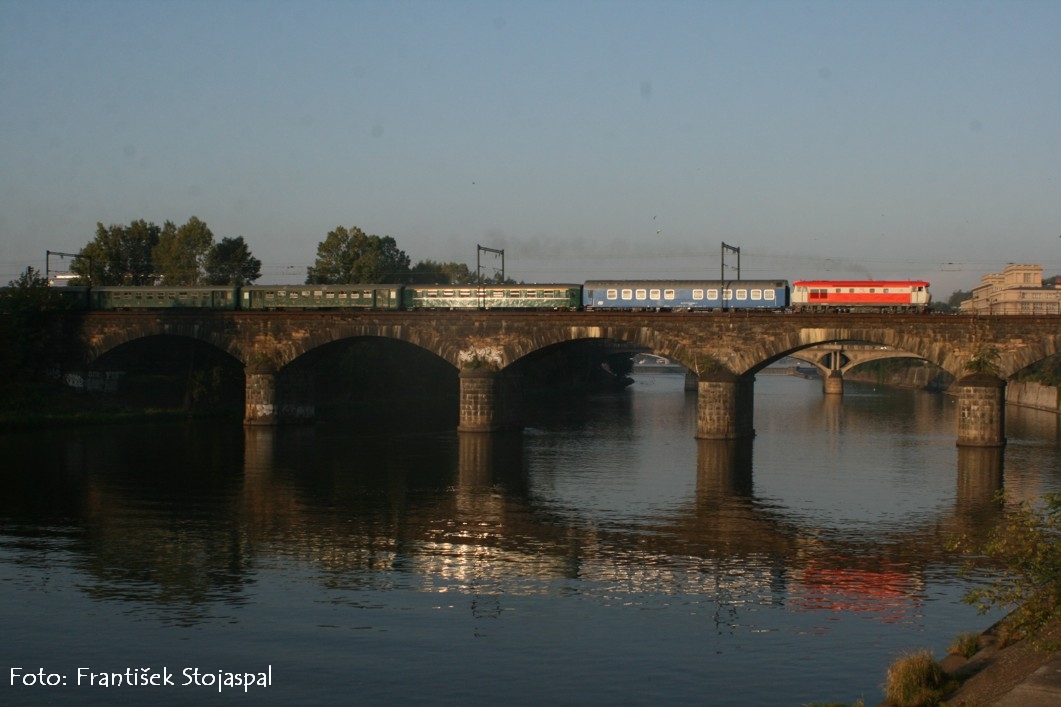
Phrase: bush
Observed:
(915, 680)
(1025, 574)
(965, 645)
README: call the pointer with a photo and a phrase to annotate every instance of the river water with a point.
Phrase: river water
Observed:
(604, 556)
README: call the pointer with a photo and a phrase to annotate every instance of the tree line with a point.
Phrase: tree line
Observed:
(143, 253)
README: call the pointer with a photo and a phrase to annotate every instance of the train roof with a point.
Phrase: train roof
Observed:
(771, 282)
(859, 283)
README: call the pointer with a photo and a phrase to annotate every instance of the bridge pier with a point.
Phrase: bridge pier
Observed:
(260, 406)
(833, 384)
(270, 399)
(833, 381)
(725, 406)
(489, 401)
(981, 411)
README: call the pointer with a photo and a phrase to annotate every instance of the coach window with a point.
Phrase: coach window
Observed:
(641, 293)
(698, 294)
(742, 294)
(668, 294)
(628, 294)
(712, 294)
(727, 294)
(613, 294)
(653, 294)
(768, 295)
(757, 295)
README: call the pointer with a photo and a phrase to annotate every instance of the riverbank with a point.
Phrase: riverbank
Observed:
(46, 404)
(1003, 675)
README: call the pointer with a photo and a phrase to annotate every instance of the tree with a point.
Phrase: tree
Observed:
(1028, 546)
(349, 255)
(430, 272)
(229, 262)
(957, 297)
(26, 304)
(953, 303)
(984, 360)
(180, 255)
(119, 255)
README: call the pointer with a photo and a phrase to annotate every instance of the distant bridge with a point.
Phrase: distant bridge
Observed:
(723, 351)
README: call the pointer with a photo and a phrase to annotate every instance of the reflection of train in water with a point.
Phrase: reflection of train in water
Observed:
(625, 295)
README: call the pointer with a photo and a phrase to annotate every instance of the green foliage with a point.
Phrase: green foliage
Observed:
(957, 297)
(708, 364)
(181, 253)
(953, 303)
(230, 262)
(349, 255)
(429, 272)
(119, 255)
(1026, 549)
(985, 360)
(144, 254)
(26, 307)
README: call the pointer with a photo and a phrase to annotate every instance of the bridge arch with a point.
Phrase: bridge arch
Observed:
(98, 344)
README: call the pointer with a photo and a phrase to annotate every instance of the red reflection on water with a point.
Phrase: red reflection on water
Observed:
(891, 593)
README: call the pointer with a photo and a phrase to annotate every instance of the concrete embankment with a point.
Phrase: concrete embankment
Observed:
(1023, 393)
(913, 377)
(1034, 395)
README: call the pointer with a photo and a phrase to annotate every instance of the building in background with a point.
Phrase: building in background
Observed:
(1018, 289)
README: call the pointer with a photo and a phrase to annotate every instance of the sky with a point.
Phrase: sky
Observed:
(583, 138)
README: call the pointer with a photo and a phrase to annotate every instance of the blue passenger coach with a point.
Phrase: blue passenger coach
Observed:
(664, 295)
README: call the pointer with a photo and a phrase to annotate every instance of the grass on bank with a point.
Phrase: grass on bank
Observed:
(965, 645)
(917, 680)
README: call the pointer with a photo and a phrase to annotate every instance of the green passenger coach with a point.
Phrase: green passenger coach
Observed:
(162, 297)
(321, 297)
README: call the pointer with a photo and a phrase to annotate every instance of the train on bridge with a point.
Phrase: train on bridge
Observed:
(624, 295)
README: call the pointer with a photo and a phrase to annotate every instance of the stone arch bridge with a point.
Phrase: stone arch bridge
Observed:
(724, 351)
